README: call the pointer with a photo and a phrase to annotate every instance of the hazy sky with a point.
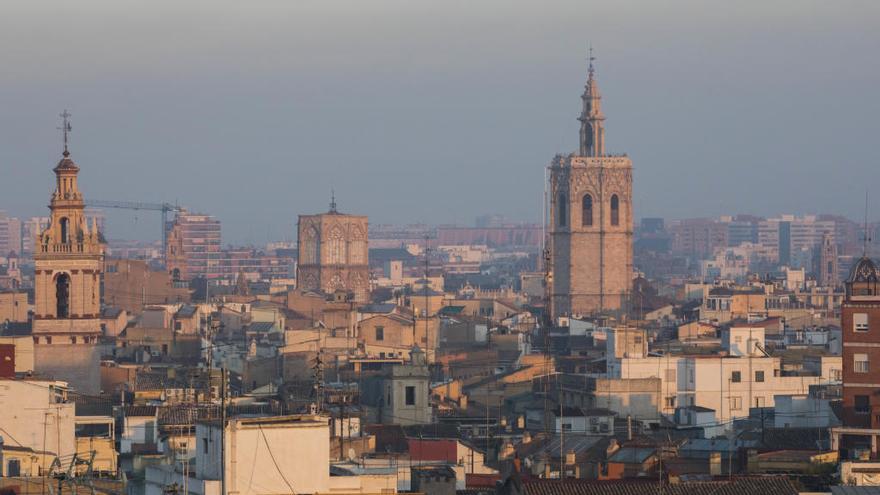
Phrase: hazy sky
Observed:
(436, 111)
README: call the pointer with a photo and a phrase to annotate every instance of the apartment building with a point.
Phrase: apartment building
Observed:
(193, 246)
(729, 382)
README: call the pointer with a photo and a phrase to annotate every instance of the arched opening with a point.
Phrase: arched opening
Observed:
(62, 295)
(175, 274)
(64, 230)
(615, 210)
(587, 211)
(562, 210)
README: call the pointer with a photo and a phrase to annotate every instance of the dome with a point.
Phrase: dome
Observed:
(66, 164)
(864, 271)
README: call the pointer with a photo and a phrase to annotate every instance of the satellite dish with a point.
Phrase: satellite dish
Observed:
(351, 455)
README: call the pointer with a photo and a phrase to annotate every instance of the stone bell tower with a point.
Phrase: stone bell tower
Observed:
(591, 219)
(68, 259)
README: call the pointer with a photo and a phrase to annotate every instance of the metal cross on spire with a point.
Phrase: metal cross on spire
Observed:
(591, 59)
(332, 201)
(65, 129)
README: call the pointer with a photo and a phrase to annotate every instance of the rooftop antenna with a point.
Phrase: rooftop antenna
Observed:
(332, 201)
(867, 237)
(65, 129)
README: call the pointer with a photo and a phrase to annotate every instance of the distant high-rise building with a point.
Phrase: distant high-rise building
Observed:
(699, 237)
(788, 234)
(193, 246)
(591, 219)
(10, 235)
(742, 230)
(30, 229)
(333, 253)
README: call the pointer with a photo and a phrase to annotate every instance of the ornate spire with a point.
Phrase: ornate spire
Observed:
(65, 130)
(592, 138)
(333, 201)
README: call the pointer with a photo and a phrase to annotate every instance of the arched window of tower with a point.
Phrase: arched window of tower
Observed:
(562, 210)
(587, 211)
(615, 210)
(65, 225)
(62, 295)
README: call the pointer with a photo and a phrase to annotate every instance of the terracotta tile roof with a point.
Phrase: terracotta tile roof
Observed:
(773, 485)
(140, 411)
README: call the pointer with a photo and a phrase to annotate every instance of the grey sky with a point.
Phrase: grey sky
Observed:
(436, 111)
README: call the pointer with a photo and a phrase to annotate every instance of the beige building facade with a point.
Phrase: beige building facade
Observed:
(591, 220)
(333, 254)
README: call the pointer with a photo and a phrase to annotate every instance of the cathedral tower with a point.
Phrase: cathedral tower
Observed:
(333, 253)
(68, 258)
(591, 219)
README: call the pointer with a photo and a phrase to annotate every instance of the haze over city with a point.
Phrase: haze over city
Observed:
(384, 247)
(444, 110)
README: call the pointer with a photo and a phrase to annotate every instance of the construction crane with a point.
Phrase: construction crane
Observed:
(165, 208)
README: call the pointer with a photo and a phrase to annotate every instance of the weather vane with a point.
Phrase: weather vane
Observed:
(65, 129)
(332, 201)
(591, 58)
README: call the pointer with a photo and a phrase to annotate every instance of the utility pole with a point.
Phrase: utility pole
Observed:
(223, 384)
(427, 237)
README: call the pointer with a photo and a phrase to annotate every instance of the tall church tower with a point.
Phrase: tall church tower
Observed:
(68, 257)
(591, 220)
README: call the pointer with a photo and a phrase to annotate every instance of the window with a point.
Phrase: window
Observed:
(860, 322)
(62, 295)
(862, 404)
(561, 210)
(380, 333)
(736, 377)
(205, 445)
(637, 340)
(587, 211)
(65, 230)
(759, 376)
(13, 468)
(736, 403)
(670, 402)
(860, 363)
(73, 339)
(410, 396)
(566, 426)
(615, 210)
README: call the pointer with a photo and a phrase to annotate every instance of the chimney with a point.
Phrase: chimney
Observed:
(527, 437)
(613, 447)
(570, 458)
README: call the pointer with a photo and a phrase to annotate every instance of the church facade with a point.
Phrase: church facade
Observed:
(591, 220)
